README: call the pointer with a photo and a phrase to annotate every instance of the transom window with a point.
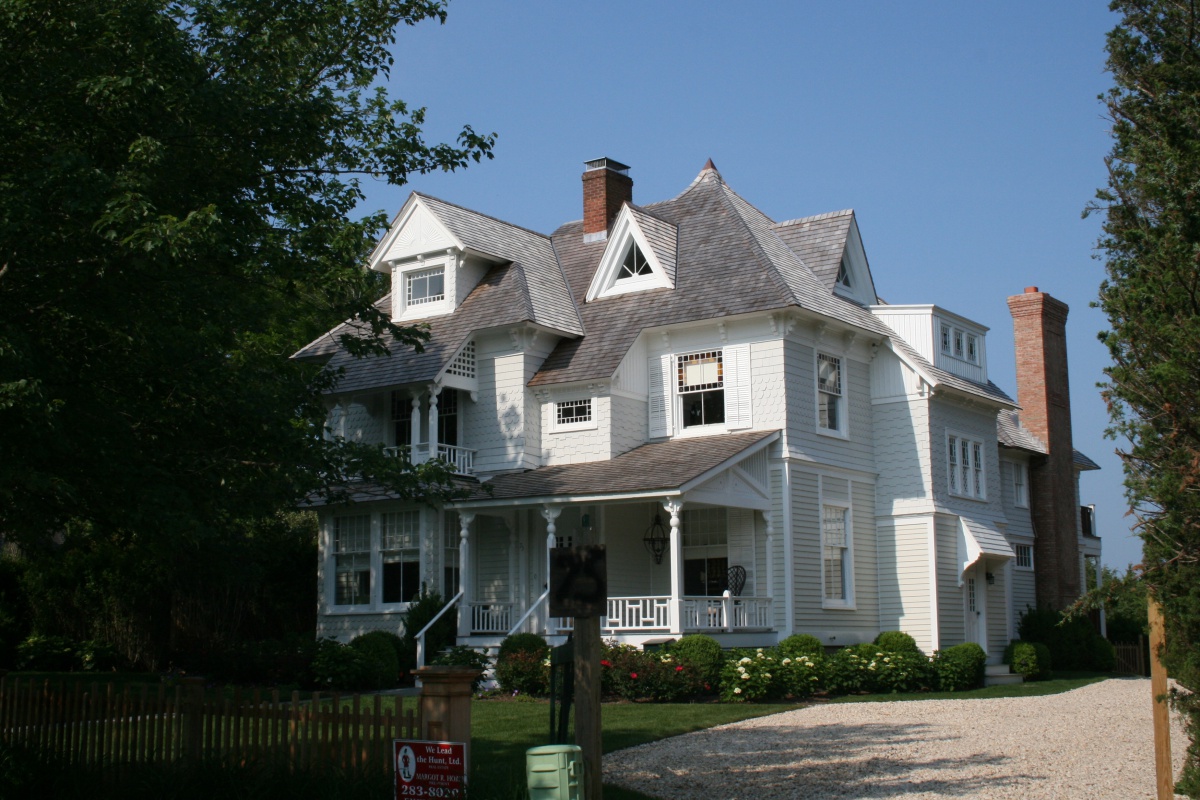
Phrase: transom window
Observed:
(401, 556)
(829, 393)
(635, 263)
(425, 286)
(701, 381)
(352, 560)
(573, 412)
(966, 468)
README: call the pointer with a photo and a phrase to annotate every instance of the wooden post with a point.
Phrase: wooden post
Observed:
(1162, 717)
(587, 703)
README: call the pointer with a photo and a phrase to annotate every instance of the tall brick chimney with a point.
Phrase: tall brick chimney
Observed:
(1040, 330)
(606, 185)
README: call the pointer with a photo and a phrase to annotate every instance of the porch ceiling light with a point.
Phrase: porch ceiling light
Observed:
(656, 540)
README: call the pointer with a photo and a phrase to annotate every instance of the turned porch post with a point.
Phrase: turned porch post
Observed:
(465, 518)
(434, 391)
(675, 551)
(550, 514)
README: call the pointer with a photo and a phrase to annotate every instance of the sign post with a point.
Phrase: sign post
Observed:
(426, 769)
(1162, 715)
(579, 589)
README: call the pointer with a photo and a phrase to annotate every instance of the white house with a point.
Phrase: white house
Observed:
(763, 445)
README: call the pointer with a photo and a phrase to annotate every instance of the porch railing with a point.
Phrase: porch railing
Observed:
(726, 613)
(460, 458)
(491, 617)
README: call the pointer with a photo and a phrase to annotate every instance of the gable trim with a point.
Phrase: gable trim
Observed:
(605, 283)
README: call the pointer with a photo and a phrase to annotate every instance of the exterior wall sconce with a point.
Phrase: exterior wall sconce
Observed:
(656, 540)
(991, 578)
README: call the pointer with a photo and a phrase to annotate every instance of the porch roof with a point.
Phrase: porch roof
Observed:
(657, 469)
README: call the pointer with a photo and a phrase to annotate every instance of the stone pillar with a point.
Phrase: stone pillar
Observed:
(446, 704)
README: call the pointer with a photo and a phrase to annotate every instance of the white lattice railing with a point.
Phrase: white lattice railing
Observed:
(491, 617)
(726, 613)
(460, 458)
(628, 614)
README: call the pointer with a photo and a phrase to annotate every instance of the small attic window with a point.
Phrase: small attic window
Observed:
(635, 264)
(426, 286)
(843, 276)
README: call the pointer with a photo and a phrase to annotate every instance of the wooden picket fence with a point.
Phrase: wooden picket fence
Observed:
(1131, 657)
(104, 725)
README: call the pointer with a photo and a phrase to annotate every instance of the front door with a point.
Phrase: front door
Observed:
(975, 605)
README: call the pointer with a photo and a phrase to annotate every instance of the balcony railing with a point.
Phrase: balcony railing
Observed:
(491, 617)
(460, 459)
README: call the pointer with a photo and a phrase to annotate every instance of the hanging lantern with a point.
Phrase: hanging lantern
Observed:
(656, 540)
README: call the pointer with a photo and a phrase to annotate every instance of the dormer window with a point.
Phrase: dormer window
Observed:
(425, 286)
(972, 349)
(635, 264)
(843, 276)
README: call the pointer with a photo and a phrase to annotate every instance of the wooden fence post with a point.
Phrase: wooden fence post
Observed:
(446, 704)
(192, 713)
(1162, 715)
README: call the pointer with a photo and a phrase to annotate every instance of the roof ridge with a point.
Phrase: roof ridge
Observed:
(524, 284)
(815, 217)
(481, 214)
(647, 212)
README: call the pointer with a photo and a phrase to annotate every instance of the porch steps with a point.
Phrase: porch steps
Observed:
(1000, 675)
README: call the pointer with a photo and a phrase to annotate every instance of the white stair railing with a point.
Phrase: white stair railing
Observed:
(425, 630)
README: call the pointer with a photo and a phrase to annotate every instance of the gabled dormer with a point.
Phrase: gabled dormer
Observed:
(431, 269)
(831, 247)
(640, 255)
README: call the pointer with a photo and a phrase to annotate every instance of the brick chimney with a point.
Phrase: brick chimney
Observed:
(606, 185)
(1040, 331)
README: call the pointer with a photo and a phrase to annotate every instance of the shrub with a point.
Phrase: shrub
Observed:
(47, 653)
(463, 656)
(421, 610)
(95, 655)
(849, 670)
(748, 676)
(522, 665)
(703, 655)
(1030, 660)
(897, 642)
(797, 677)
(632, 674)
(380, 650)
(960, 667)
(524, 643)
(802, 644)
(870, 668)
(340, 666)
(1101, 655)
(1074, 644)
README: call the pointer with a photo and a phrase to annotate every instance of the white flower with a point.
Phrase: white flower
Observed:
(786, 661)
(745, 677)
(810, 664)
(743, 660)
(737, 690)
(741, 669)
(768, 676)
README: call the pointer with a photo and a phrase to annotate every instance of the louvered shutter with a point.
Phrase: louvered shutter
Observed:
(741, 545)
(737, 386)
(660, 396)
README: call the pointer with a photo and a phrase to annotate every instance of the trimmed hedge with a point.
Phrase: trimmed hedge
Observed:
(1031, 660)
(960, 668)
(703, 654)
(897, 642)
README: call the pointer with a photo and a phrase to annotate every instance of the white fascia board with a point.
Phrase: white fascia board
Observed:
(604, 283)
(403, 217)
(562, 500)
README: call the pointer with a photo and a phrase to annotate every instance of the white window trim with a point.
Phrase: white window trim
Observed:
(400, 276)
(958, 438)
(1017, 559)
(1019, 468)
(851, 601)
(843, 431)
(376, 604)
(557, 427)
(605, 283)
(957, 335)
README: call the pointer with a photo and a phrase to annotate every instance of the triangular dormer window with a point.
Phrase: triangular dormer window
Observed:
(843, 276)
(635, 263)
(629, 263)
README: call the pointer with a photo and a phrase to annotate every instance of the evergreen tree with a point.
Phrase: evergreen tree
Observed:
(1151, 242)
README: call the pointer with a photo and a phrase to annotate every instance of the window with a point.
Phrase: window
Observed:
(450, 541)
(946, 334)
(829, 393)
(448, 417)
(425, 286)
(635, 263)
(1020, 489)
(966, 468)
(1024, 556)
(400, 556)
(701, 381)
(573, 412)
(843, 276)
(402, 412)
(352, 560)
(972, 349)
(835, 547)
(705, 539)
(958, 343)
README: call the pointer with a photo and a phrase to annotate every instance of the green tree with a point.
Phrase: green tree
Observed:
(1151, 243)
(177, 181)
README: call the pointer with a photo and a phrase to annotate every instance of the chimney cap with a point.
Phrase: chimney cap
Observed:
(606, 163)
(1031, 290)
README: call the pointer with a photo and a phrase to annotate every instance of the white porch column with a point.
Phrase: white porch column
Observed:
(769, 561)
(465, 518)
(550, 514)
(512, 561)
(675, 551)
(414, 425)
(434, 391)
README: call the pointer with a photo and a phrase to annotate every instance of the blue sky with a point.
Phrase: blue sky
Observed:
(967, 137)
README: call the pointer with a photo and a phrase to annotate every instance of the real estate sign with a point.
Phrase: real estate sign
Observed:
(429, 769)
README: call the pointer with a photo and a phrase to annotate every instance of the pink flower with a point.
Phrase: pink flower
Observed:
(633, 675)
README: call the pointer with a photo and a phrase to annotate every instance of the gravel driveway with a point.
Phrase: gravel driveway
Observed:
(1095, 743)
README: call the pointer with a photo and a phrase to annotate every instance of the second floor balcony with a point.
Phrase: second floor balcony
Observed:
(460, 459)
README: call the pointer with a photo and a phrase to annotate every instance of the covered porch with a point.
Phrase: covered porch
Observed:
(686, 526)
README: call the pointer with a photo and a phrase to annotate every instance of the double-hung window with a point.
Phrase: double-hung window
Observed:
(835, 547)
(1024, 556)
(830, 395)
(965, 465)
(400, 556)
(701, 385)
(1020, 486)
(352, 560)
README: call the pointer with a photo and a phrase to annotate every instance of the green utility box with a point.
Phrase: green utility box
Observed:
(554, 772)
